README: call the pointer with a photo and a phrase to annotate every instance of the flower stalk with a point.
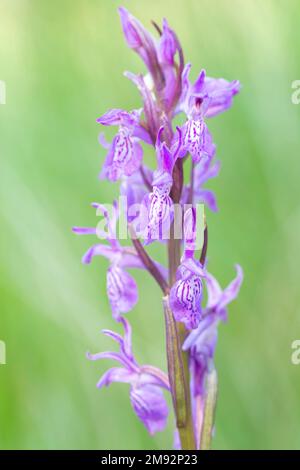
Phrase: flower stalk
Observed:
(178, 372)
(148, 262)
(209, 411)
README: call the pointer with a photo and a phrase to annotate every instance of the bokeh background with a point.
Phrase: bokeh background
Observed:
(62, 62)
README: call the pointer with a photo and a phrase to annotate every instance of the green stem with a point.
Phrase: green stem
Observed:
(178, 361)
(177, 381)
(186, 432)
(209, 411)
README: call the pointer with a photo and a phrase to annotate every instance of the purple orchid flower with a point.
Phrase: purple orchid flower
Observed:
(142, 42)
(121, 286)
(159, 203)
(146, 382)
(206, 98)
(130, 120)
(158, 55)
(125, 153)
(145, 86)
(186, 293)
(198, 140)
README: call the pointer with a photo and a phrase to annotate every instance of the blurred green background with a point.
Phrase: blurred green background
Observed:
(62, 62)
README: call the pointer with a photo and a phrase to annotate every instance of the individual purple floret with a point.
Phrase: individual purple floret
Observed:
(186, 293)
(158, 55)
(141, 41)
(125, 153)
(206, 98)
(121, 286)
(146, 382)
(159, 203)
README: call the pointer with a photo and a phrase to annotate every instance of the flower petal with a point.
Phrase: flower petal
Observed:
(84, 230)
(124, 156)
(221, 93)
(127, 342)
(190, 232)
(214, 291)
(159, 211)
(99, 250)
(131, 29)
(202, 339)
(102, 141)
(122, 290)
(206, 197)
(168, 44)
(185, 301)
(141, 41)
(232, 290)
(204, 171)
(199, 83)
(113, 117)
(115, 356)
(150, 406)
(115, 374)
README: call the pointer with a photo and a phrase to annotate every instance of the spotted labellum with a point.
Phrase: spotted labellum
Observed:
(160, 205)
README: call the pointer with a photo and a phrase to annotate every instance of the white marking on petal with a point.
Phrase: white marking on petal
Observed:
(188, 293)
(159, 211)
(123, 148)
(194, 137)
